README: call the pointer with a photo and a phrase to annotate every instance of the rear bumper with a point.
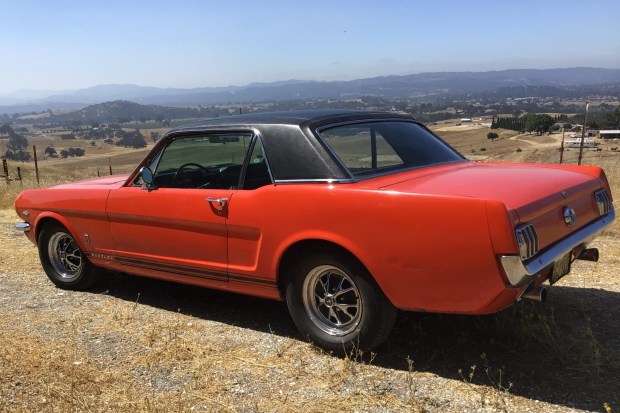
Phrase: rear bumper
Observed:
(519, 272)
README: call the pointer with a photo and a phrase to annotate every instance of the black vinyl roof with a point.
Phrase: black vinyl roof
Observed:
(291, 144)
(293, 117)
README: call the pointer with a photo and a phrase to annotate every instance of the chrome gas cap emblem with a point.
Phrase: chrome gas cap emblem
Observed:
(569, 216)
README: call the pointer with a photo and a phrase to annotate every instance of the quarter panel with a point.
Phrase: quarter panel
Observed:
(426, 252)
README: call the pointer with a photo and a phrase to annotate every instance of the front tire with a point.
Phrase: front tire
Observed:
(63, 261)
(337, 306)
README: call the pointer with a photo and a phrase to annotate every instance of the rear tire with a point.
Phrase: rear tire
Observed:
(63, 261)
(336, 305)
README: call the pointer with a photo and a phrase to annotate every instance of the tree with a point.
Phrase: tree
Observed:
(538, 123)
(132, 139)
(50, 151)
(155, 136)
(17, 142)
(6, 129)
(21, 156)
(611, 120)
(16, 147)
(76, 152)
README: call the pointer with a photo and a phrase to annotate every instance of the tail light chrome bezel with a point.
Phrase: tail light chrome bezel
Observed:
(527, 239)
(603, 201)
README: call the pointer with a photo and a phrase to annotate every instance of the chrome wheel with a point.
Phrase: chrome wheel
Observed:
(332, 300)
(64, 255)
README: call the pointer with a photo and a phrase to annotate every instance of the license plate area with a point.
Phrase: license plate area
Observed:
(560, 269)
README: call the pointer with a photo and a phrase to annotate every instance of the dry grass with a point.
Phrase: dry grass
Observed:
(138, 345)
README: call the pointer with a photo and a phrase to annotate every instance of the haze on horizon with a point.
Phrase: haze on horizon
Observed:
(68, 44)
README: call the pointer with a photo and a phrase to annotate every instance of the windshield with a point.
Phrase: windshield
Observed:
(379, 147)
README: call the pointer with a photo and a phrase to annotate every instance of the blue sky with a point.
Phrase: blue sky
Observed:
(61, 45)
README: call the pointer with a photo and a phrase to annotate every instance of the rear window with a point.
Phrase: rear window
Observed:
(380, 147)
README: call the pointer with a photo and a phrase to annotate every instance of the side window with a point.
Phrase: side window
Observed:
(257, 172)
(202, 161)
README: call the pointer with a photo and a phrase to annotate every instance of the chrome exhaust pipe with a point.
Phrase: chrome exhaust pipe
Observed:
(536, 294)
(589, 254)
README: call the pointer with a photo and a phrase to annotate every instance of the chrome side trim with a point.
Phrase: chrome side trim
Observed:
(23, 226)
(518, 272)
(315, 181)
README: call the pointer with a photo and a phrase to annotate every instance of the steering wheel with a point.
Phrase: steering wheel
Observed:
(179, 175)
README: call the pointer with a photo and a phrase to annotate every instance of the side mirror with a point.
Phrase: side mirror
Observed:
(147, 176)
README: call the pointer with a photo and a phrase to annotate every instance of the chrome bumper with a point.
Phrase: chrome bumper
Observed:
(518, 272)
(23, 226)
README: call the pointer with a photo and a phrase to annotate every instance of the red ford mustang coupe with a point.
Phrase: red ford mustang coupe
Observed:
(348, 216)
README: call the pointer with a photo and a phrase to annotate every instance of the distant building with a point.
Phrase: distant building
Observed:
(465, 120)
(609, 134)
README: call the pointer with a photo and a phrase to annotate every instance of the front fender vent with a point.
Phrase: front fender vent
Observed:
(603, 201)
(528, 241)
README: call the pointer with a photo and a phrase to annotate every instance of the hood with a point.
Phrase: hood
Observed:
(108, 182)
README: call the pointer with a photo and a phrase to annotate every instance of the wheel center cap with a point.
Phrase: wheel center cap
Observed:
(329, 301)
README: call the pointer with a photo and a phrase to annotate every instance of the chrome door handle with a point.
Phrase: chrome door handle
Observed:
(221, 202)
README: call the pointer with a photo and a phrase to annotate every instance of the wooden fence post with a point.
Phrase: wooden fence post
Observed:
(36, 163)
(5, 168)
(19, 174)
(110, 164)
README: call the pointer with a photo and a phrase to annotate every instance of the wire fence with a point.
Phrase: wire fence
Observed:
(17, 175)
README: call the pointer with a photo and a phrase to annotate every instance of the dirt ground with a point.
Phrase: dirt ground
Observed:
(134, 344)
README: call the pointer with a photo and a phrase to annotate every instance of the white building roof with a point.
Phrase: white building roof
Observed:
(609, 131)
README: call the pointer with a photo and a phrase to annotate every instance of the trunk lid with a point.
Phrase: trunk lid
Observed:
(538, 194)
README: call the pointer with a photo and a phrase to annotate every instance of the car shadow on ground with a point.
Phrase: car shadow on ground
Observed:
(564, 351)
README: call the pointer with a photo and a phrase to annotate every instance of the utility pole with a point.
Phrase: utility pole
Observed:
(583, 133)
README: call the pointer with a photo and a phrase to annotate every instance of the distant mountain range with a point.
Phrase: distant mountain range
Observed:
(406, 86)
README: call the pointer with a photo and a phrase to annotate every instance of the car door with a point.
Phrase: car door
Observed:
(178, 225)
